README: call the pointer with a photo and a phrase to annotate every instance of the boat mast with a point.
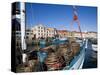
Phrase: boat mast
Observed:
(75, 19)
(23, 43)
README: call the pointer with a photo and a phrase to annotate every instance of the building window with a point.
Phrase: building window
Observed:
(42, 34)
(38, 27)
(38, 33)
(41, 27)
(34, 29)
(41, 30)
(27, 33)
(26, 37)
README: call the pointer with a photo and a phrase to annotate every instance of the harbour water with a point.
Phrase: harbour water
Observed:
(90, 57)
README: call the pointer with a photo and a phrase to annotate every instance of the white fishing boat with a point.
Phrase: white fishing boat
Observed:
(63, 39)
(94, 47)
(76, 60)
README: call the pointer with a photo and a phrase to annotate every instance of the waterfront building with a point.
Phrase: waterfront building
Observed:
(63, 33)
(41, 31)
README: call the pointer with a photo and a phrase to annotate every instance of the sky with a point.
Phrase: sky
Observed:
(61, 16)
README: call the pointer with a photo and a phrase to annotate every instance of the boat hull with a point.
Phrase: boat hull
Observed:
(77, 61)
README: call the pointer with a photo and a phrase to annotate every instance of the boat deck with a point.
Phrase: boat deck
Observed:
(53, 57)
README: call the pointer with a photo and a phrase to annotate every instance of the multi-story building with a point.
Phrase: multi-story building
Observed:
(51, 32)
(63, 33)
(38, 31)
(41, 31)
(77, 34)
(29, 36)
(92, 34)
(85, 34)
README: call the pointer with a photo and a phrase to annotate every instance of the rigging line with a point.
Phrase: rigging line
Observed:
(75, 19)
(33, 15)
(33, 20)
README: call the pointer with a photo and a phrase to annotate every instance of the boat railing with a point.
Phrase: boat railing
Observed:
(75, 58)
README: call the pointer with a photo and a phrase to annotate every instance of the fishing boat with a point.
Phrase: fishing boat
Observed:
(42, 43)
(62, 58)
(94, 44)
(78, 60)
(62, 39)
(71, 55)
(63, 54)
